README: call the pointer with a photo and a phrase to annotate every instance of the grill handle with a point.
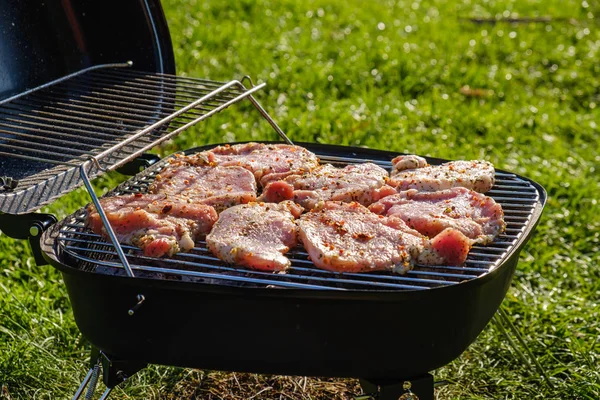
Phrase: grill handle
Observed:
(30, 227)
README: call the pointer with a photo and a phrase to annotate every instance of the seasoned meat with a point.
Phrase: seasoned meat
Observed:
(158, 225)
(220, 187)
(475, 175)
(347, 237)
(449, 247)
(256, 235)
(476, 215)
(409, 161)
(266, 161)
(363, 183)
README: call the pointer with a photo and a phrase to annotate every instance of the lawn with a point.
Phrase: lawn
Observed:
(409, 76)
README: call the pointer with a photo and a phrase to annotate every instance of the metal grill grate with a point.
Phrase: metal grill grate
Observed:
(90, 252)
(109, 113)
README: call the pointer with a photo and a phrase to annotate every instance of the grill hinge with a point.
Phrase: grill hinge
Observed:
(30, 227)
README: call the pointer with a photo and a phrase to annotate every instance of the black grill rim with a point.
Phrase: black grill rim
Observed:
(510, 252)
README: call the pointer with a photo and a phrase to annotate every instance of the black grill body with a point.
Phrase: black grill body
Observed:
(383, 334)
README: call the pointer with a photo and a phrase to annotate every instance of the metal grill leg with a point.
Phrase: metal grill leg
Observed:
(114, 372)
(93, 382)
(92, 376)
(501, 319)
(83, 385)
(105, 394)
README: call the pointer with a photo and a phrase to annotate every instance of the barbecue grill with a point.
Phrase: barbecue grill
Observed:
(102, 108)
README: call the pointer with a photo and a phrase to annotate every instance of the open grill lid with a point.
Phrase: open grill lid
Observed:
(44, 41)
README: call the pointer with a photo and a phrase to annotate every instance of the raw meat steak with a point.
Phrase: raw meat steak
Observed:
(476, 175)
(158, 225)
(476, 215)
(256, 235)
(347, 237)
(266, 161)
(220, 187)
(363, 183)
(409, 161)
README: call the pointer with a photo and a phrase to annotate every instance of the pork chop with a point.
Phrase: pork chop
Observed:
(220, 187)
(347, 237)
(256, 235)
(266, 161)
(158, 225)
(363, 183)
(409, 161)
(476, 215)
(476, 175)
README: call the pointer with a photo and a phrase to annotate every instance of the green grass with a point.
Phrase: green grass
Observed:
(382, 74)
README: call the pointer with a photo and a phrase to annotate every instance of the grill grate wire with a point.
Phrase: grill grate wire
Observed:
(47, 133)
(92, 253)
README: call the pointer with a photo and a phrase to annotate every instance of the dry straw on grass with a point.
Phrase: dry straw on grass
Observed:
(230, 386)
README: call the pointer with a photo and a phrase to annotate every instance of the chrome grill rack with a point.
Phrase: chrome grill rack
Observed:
(91, 252)
(97, 119)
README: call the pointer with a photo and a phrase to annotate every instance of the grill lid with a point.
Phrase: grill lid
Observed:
(44, 40)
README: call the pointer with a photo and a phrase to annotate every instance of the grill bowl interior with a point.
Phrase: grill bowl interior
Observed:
(89, 252)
